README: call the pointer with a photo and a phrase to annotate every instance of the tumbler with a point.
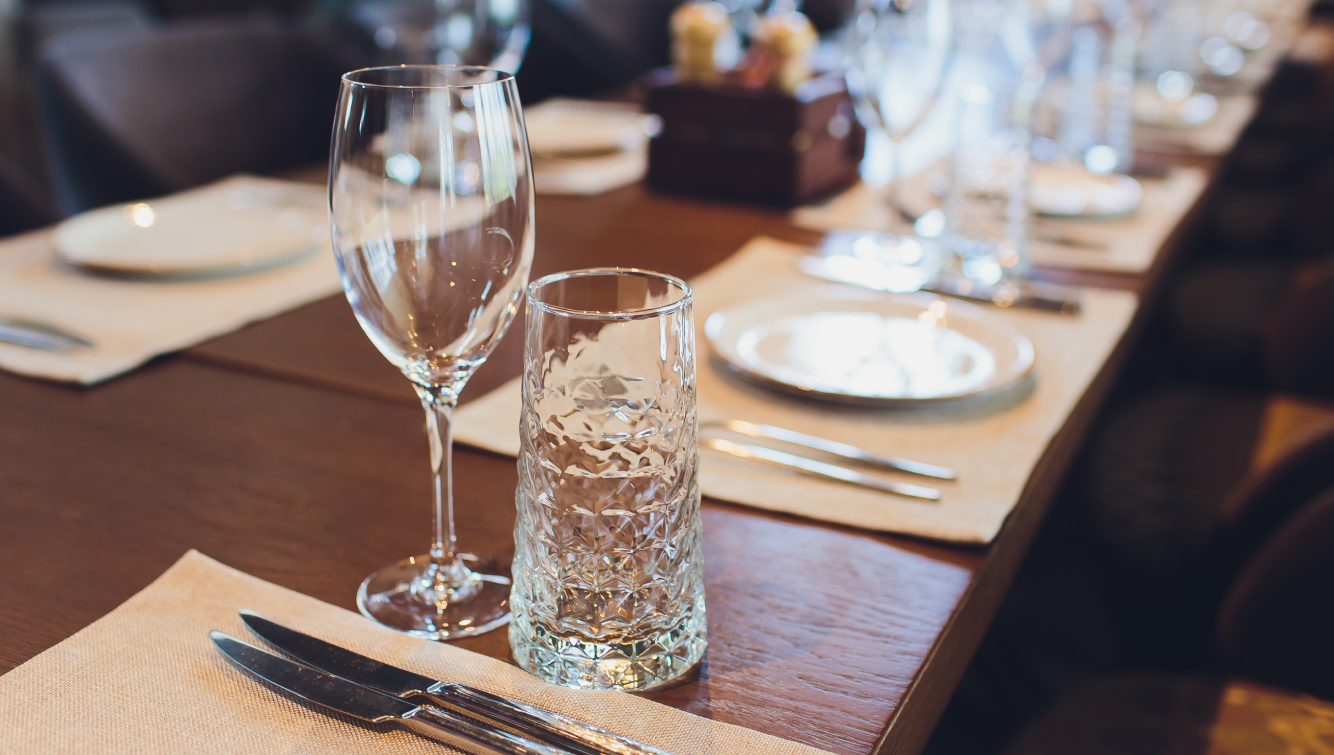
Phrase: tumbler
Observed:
(608, 578)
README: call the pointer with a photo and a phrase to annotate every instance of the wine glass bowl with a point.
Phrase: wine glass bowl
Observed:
(898, 55)
(431, 204)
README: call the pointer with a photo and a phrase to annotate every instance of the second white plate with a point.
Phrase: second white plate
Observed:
(239, 222)
(845, 345)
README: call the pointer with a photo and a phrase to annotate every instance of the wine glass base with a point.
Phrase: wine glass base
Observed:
(406, 596)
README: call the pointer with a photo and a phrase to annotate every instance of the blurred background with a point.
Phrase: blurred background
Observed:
(70, 66)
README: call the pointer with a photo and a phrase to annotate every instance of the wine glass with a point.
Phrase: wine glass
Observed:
(898, 54)
(493, 33)
(431, 202)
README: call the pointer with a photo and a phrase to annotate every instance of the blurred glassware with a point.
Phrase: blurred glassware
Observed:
(431, 204)
(608, 576)
(1230, 32)
(998, 74)
(1172, 34)
(899, 52)
(490, 33)
(1087, 52)
(1171, 53)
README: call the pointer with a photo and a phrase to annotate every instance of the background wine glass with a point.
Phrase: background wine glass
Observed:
(1087, 51)
(431, 202)
(491, 33)
(899, 51)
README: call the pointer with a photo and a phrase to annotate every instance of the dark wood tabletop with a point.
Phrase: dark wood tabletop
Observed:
(293, 451)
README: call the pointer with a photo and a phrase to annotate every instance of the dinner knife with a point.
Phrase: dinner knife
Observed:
(833, 447)
(545, 726)
(863, 273)
(1019, 293)
(819, 468)
(38, 335)
(368, 705)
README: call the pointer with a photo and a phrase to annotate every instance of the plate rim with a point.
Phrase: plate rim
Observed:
(1027, 352)
(1083, 215)
(61, 249)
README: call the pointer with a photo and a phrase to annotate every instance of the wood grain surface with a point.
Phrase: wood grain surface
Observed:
(293, 451)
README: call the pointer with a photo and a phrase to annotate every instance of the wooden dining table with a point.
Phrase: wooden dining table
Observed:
(293, 451)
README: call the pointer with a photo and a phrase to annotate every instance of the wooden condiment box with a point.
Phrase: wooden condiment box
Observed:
(754, 144)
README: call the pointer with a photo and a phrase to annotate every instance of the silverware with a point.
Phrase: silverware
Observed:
(371, 706)
(1044, 296)
(1031, 294)
(819, 468)
(833, 447)
(553, 728)
(1061, 239)
(39, 335)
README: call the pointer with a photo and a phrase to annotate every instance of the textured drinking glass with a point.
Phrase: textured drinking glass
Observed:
(431, 201)
(608, 579)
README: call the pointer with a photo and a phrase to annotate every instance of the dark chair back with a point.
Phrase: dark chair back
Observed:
(140, 112)
(584, 46)
(23, 205)
(1277, 621)
(1298, 333)
(1267, 501)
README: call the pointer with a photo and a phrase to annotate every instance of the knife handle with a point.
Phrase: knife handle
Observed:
(470, 736)
(575, 736)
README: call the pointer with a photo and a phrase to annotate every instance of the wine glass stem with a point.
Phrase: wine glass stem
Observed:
(439, 404)
(894, 191)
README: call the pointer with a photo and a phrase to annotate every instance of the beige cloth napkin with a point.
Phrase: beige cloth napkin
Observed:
(146, 678)
(1126, 245)
(131, 321)
(993, 443)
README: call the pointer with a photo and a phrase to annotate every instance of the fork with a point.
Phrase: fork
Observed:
(833, 447)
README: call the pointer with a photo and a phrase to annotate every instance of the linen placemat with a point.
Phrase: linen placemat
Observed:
(1209, 139)
(1125, 245)
(132, 320)
(146, 678)
(588, 176)
(994, 443)
(565, 161)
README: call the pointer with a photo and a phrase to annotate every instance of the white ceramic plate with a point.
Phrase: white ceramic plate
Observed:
(850, 346)
(1072, 191)
(240, 222)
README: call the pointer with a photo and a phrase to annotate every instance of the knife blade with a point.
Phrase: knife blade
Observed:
(832, 447)
(38, 335)
(368, 705)
(862, 273)
(1020, 293)
(546, 726)
(815, 468)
